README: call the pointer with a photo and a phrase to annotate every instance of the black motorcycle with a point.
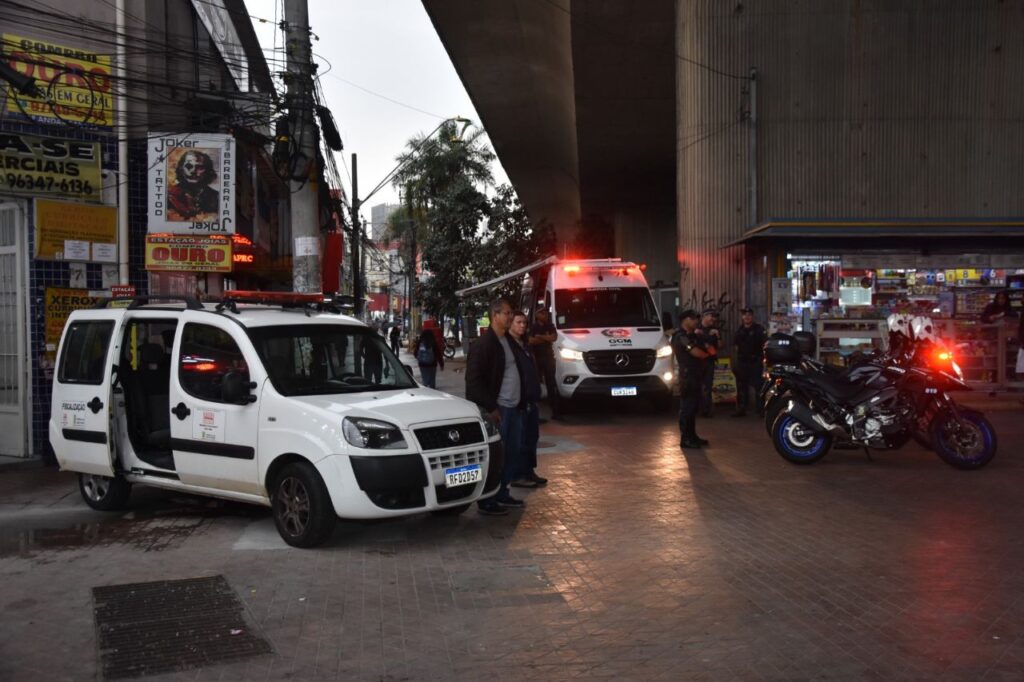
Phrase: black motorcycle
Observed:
(892, 399)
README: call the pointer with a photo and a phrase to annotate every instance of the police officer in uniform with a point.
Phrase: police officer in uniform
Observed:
(749, 341)
(692, 355)
(709, 335)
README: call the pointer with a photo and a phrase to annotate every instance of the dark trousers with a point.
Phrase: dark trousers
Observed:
(531, 435)
(707, 381)
(689, 401)
(748, 378)
(396, 344)
(511, 429)
(546, 369)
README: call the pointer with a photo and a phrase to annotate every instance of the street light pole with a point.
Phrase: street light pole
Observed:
(357, 289)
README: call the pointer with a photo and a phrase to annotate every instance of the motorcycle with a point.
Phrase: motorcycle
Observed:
(891, 399)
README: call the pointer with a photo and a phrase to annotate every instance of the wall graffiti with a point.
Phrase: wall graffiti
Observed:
(721, 303)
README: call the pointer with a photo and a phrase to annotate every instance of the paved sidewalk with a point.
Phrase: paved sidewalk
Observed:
(638, 561)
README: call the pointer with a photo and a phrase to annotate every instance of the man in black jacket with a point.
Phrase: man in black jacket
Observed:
(749, 340)
(494, 381)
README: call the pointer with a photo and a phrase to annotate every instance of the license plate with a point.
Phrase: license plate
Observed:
(470, 473)
(623, 390)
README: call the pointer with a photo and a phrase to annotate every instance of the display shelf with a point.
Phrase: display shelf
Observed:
(839, 338)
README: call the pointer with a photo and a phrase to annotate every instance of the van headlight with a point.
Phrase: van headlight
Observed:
(665, 351)
(372, 434)
(492, 428)
(570, 354)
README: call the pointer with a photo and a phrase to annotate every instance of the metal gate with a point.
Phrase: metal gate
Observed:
(14, 418)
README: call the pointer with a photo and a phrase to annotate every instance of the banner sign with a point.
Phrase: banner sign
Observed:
(173, 253)
(77, 82)
(49, 166)
(217, 20)
(191, 183)
(60, 302)
(60, 221)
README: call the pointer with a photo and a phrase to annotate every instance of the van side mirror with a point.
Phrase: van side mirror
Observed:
(235, 387)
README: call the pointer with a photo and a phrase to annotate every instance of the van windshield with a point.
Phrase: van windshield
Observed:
(605, 307)
(321, 359)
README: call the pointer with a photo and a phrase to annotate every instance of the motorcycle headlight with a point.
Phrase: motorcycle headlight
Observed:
(492, 428)
(372, 434)
(570, 354)
(665, 351)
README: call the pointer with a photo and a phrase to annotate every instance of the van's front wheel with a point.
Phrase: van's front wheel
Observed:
(302, 506)
(103, 492)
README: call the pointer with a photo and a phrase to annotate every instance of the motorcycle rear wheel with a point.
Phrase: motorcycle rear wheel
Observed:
(796, 443)
(967, 443)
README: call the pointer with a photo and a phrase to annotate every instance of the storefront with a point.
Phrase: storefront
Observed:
(841, 281)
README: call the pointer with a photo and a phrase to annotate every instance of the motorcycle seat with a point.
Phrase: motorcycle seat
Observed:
(835, 385)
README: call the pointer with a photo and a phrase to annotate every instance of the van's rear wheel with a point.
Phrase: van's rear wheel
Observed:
(103, 492)
(303, 512)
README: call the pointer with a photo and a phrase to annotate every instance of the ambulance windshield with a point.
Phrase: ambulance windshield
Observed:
(605, 307)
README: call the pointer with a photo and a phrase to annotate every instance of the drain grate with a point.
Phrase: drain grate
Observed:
(169, 625)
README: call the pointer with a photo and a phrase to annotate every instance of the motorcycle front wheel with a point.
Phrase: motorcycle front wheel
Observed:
(965, 443)
(797, 443)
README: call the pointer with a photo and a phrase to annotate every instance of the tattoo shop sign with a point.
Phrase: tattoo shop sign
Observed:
(191, 183)
(49, 166)
(76, 83)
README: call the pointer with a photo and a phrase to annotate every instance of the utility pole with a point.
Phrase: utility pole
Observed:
(357, 233)
(302, 180)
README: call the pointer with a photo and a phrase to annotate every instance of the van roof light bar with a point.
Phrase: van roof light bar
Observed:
(138, 301)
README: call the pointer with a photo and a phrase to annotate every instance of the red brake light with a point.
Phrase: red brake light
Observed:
(272, 297)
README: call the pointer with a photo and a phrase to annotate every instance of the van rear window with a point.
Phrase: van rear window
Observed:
(605, 307)
(83, 360)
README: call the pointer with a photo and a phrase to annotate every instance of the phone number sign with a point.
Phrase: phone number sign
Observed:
(50, 166)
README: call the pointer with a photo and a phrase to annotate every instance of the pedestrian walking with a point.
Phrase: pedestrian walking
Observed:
(395, 338)
(527, 476)
(749, 342)
(542, 339)
(494, 382)
(429, 358)
(691, 355)
(708, 331)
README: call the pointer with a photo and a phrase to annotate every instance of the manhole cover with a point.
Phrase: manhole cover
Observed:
(169, 625)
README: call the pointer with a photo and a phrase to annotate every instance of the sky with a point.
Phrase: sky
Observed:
(389, 48)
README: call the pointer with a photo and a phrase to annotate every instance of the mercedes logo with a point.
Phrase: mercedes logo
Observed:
(454, 436)
(621, 360)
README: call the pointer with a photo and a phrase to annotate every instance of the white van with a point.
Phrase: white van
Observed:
(272, 399)
(610, 338)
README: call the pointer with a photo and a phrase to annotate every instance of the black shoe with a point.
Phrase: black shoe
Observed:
(491, 508)
(539, 480)
(525, 482)
(703, 443)
(509, 501)
(689, 444)
(707, 415)
(738, 413)
(542, 420)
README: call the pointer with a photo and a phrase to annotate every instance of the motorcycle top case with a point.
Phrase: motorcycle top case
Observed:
(781, 349)
(806, 342)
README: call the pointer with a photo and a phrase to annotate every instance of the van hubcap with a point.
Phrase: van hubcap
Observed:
(293, 506)
(95, 487)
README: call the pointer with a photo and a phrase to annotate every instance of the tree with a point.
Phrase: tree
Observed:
(442, 179)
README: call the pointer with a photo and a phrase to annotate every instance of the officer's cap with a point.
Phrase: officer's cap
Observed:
(689, 312)
(747, 310)
(710, 311)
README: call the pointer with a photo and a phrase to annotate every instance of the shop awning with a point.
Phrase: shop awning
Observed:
(873, 229)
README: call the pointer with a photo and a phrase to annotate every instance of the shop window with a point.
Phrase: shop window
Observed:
(208, 354)
(85, 353)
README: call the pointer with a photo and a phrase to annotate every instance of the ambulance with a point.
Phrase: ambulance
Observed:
(611, 342)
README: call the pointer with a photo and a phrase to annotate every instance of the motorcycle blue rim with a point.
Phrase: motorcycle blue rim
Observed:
(811, 451)
(986, 433)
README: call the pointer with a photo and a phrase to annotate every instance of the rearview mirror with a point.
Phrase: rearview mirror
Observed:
(235, 387)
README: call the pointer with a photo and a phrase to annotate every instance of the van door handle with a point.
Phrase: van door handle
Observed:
(181, 411)
(95, 405)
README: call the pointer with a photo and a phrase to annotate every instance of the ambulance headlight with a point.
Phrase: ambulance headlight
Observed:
(570, 354)
(372, 434)
(665, 351)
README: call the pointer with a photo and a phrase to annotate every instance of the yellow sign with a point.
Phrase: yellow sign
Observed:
(60, 221)
(60, 303)
(170, 253)
(52, 166)
(723, 387)
(76, 83)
